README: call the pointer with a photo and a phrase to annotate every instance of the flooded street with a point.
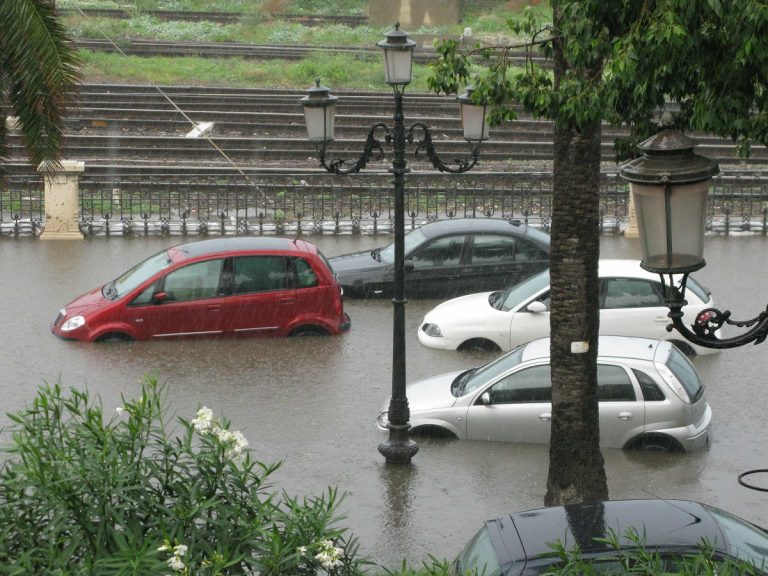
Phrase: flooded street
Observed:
(312, 402)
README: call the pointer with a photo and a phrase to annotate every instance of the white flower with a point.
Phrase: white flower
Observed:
(203, 423)
(301, 550)
(180, 549)
(329, 555)
(176, 563)
(224, 435)
(164, 548)
(120, 409)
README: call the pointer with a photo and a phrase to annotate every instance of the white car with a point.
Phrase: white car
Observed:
(650, 397)
(631, 304)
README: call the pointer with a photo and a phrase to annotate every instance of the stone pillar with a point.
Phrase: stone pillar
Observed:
(62, 201)
(631, 230)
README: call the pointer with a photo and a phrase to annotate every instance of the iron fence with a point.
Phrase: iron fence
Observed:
(359, 204)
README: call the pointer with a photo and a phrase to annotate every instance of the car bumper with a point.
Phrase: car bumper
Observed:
(696, 436)
(346, 324)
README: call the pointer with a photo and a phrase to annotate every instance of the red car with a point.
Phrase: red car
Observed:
(245, 286)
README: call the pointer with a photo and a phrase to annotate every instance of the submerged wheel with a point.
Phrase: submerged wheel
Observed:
(309, 331)
(114, 337)
(656, 443)
(480, 344)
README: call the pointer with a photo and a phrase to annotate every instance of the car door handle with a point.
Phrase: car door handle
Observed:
(214, 308)
(662, 319)
(545, 416)
(625, 415)
(287, 300)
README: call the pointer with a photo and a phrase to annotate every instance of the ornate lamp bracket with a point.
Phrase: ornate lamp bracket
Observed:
(456, 166)
(704, 330)
(373, 149)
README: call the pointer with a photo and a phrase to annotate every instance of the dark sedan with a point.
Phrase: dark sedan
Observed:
(521, 543)
(449, 258)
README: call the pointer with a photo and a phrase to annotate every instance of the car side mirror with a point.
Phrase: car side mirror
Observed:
(408, 264)
(536, 307)
(160, 297)
(485, 399)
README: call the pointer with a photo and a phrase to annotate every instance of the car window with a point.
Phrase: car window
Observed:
(532, 384)
(193, 282)
(305, 275)
(412, 240)
(479, 555)
(522, 291)
(146, 295)
(471, 380)
(685, 373)
(614, 385)
(745, 541)
(632, 293)
(258, 274)
(701, 292)
(492, 249)
(651, 391)
(142, 272)
(440, 252)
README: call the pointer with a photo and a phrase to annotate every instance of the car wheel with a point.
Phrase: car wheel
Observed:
(479, 344)
(657, 443)
(432, 432)
(114, 337)
(309, 331)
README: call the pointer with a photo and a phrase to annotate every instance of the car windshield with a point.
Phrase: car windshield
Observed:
(510, 297)
(702, 292)
(136, 275)
(473, 379)
(413, 239)
(745, 541)
(478, 556)
(685, 373)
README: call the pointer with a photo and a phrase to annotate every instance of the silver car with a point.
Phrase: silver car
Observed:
(650, 397)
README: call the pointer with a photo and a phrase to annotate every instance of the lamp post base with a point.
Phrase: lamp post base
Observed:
(398, 448)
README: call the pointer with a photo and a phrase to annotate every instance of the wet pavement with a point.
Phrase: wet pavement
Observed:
(312, 402)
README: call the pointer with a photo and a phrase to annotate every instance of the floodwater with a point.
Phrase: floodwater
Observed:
(312, 402)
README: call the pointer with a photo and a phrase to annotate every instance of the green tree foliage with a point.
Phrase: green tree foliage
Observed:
(38, 71)
(625, 62)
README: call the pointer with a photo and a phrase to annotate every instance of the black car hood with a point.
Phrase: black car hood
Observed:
(355, 262)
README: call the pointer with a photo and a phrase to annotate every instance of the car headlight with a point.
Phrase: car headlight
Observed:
(432, 330)
(73, 324)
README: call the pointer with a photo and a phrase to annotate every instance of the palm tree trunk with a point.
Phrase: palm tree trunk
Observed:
(576, 466)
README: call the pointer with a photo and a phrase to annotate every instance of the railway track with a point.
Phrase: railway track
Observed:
(217, 17)
(153, 48)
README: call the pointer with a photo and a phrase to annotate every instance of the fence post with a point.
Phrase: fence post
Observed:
(631, 230)
(62, 201)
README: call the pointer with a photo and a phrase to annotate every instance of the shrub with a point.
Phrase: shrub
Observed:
(82, 493)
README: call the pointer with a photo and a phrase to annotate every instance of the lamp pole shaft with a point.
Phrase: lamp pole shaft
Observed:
(399, 448)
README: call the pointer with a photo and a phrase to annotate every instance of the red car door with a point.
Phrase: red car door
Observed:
(262, 301)
(185, 302)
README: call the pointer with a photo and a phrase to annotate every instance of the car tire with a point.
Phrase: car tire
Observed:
(114, 337)
(656, 443)
(479, 345)
(309, 331)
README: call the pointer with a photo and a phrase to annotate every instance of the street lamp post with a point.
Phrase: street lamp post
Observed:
(669, 185)
(319, 115)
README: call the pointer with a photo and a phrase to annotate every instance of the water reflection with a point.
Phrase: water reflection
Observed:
(312, 403)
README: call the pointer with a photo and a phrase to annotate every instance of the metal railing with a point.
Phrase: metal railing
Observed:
(360, 204)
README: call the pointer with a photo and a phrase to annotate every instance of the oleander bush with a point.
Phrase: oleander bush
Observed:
(85, 492)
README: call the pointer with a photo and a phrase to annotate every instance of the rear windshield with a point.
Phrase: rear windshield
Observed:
(700, 291)
(478, 557)
(686, 374)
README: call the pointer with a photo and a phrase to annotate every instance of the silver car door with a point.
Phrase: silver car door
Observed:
(622, 410)
(515, 408)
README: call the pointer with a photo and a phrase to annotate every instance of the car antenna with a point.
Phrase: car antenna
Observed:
(696, 519)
